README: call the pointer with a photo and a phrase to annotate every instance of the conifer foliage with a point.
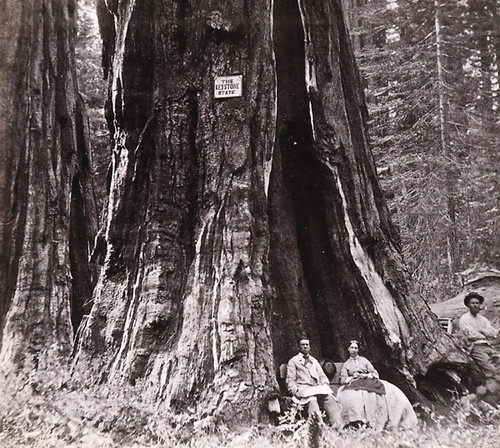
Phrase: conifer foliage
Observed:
(431, 82)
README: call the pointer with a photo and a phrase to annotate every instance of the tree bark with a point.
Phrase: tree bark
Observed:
(234, 225)
(47, 217)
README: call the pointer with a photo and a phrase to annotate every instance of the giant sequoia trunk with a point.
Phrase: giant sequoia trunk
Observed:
(236, 224)
(47, 217)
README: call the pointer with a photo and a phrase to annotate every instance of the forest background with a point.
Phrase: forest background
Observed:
(431, 73)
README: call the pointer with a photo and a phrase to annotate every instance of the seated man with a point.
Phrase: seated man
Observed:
(309, 385)
(476, 331)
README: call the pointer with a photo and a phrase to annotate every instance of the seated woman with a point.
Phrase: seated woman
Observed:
(367, 400)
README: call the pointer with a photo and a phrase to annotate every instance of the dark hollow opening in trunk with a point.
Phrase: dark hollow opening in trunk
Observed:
(79, 255)
(317, 283)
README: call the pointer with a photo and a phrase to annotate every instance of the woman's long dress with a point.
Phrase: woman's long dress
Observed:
(391, 409)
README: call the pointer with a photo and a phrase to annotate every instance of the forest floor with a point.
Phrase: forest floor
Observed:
(44, 412)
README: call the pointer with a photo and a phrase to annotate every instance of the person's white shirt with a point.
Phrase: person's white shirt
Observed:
(477, 329)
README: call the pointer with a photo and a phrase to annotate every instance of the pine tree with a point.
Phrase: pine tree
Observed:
(434, 135)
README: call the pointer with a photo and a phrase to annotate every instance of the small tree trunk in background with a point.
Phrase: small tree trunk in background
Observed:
(47, 215)
(235, 225)
(360, 16)
(446, 149)
(495, 12)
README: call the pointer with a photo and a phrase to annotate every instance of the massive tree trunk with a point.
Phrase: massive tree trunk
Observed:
(236, 224)
(47, 216)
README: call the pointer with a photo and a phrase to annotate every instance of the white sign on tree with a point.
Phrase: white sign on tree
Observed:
(228, 86)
